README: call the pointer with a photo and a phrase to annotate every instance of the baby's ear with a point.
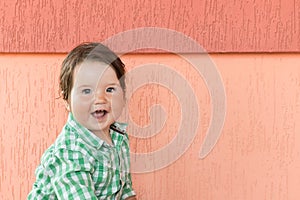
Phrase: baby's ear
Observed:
(67, 105)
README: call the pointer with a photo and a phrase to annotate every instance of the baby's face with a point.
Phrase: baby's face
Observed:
(97, 98)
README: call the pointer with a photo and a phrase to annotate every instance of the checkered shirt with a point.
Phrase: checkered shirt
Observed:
(79, 165)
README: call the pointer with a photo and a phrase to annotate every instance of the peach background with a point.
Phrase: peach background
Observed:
(255, 45)
(256, 157)
(218, 25)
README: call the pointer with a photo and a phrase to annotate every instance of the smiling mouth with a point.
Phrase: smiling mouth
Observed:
(99, 114)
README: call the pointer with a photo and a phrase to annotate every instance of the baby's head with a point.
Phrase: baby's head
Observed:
(88, 52)
(92, 85)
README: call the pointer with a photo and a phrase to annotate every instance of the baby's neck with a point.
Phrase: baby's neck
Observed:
(105, 136)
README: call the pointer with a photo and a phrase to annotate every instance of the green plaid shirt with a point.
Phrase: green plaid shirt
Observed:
(79, 165)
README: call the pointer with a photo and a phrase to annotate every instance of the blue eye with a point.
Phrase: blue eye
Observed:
(86, 91)
(110, 89)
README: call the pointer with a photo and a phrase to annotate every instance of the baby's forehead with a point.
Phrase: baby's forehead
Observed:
(92, 72)
(92, 65)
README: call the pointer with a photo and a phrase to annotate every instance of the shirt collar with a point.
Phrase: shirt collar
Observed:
(117, 131)
(84, 133)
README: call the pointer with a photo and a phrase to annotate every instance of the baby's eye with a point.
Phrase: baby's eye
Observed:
(86, 91)
(110, 89)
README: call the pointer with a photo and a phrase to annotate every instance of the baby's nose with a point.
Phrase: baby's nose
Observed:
(100, 97)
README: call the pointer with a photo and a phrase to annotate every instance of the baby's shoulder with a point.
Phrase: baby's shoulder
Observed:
(67, 146)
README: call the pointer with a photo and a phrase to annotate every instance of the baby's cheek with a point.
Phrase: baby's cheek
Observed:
(82, 100)
(117, 105)
(80, 107)
(117, 111)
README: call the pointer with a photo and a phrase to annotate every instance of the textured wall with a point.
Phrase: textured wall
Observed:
(218, 25)
(256, 157)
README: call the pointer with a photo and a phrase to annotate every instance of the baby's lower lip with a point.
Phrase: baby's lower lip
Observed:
(99, 116)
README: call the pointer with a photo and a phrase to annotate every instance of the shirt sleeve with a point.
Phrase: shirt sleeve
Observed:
(127, 189)
(70, 175)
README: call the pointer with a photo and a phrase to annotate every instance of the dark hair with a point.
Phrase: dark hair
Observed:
(84, 52)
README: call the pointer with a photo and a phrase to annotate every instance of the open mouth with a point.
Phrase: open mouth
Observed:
(99, 114)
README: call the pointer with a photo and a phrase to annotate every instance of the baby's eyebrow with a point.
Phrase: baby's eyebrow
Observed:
(84, 85)
(117, 84)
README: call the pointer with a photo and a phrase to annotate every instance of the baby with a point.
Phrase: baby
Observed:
(90, 157)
